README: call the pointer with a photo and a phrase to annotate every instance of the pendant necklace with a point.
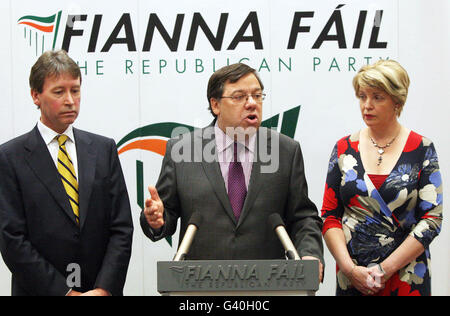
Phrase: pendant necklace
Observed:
(381, 149)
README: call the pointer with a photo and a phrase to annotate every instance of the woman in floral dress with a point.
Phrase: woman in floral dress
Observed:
(382, 204)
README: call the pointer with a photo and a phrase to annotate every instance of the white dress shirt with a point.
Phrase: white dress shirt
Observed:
(50, 140)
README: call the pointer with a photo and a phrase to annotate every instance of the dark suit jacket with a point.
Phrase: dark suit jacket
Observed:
(186, 187)
(39, 237)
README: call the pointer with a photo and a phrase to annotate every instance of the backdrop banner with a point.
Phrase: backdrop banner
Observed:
(145, 67)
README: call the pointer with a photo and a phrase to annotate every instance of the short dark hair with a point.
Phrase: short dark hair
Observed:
(232, 74)
(49, 64)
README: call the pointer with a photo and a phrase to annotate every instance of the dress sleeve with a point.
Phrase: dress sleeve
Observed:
(332, 209)
(429, 204)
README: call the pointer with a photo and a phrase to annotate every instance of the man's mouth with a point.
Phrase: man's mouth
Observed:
(252, 118)
(69, 113)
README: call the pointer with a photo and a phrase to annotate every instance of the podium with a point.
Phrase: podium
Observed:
(238, 277)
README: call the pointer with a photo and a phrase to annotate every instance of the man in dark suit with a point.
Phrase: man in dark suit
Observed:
(236, 174)
(65, 217)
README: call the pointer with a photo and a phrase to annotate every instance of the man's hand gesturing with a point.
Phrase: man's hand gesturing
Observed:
(154, 209)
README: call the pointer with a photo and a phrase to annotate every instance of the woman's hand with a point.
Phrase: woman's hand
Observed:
(366, 280)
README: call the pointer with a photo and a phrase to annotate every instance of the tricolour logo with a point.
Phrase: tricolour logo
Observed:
(42, 32)
(154, 138)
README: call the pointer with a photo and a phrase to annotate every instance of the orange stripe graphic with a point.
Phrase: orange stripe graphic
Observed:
(47, 29)
(155, 145)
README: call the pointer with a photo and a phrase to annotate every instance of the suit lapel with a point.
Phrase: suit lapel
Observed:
(40, 161)
(256, 181)
(214, 175)
(86, 156)
(212, 171)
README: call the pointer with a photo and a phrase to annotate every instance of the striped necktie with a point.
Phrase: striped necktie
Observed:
(68, 176)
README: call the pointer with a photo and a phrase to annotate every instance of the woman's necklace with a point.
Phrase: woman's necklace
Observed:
(382, 148)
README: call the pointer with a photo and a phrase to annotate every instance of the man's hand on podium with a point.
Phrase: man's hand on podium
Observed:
(154, 209)
(320, 266)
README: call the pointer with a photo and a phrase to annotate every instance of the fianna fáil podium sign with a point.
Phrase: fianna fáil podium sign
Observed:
(238, 277)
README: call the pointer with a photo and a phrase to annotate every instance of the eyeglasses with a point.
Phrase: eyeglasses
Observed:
(243, 97)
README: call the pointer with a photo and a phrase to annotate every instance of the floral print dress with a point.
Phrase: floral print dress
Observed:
(376, 221)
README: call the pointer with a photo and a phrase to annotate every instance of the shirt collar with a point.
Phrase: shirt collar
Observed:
(49, 135)
(223, 141)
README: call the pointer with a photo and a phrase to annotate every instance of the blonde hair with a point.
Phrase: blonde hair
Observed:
(387, 75)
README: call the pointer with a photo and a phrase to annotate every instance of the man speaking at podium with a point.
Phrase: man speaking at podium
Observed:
(235, 174)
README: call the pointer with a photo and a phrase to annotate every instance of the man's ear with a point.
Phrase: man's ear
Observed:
(35, 97)
(215, 106)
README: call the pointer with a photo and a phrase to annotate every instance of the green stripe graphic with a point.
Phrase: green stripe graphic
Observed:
(49, 19)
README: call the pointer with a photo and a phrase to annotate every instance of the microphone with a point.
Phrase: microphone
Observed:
(277, 224)
(193, 225)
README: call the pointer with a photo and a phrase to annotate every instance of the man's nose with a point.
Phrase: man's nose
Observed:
(250, 101)
(69, 98)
